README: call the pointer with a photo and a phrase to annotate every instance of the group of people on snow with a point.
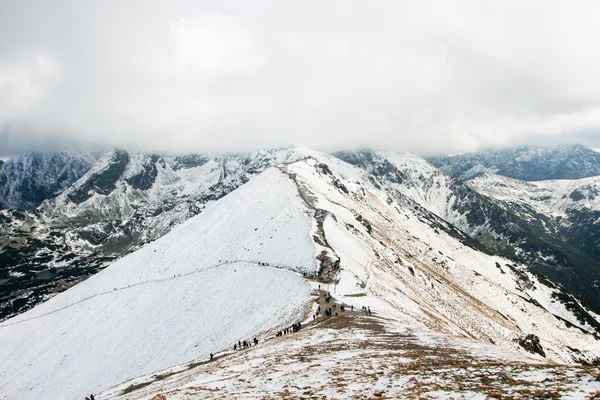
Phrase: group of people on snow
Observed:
(90, 398)
(245, 344)
(291, 329)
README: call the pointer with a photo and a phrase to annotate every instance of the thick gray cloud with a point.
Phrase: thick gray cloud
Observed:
(210, 76)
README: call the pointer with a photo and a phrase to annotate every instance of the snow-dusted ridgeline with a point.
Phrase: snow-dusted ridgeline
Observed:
(551, 197)
(196, 290)
(392, 251)
(123, 201)
(430, 275)
(528, 163)
(29, 179)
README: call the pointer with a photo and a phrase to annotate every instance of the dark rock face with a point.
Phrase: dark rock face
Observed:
(25, 279)
(144, 179)
(379, 167)
(531, 343)
(26, 181)
(526, 163)
(576, 195)
(102, 181)
(189, 161)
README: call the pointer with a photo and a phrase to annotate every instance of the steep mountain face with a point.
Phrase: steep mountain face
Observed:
(553, 198)
(123, 201)
(448, 198)
(26, 181)
(501, 229)
(527, 163)
(567, 209)
(130, 199)
(244, 268)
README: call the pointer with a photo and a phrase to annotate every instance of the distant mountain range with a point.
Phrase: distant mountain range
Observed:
(527, 163)
(81, 211)
(211, 251)
(31, 178)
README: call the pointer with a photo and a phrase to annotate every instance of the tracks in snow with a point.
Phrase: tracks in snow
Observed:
(148, 282)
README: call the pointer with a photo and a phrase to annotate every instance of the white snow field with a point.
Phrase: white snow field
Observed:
(199, 289)
(192, 292)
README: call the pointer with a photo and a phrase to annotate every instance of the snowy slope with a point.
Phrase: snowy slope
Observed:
(563, 250)
(194, 291)
(429, 275)
(179, 297)
(122, 202)
(423, 285)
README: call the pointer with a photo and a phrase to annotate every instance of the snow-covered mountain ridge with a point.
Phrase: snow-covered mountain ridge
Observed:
(169, 301)
(502, 230)
(554, 198)
(31, 178)
(128, 199)
(203, 285)
(566, 209)
(528, 163)
(123, 201)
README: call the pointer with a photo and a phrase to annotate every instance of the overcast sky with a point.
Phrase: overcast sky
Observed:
(209, 76)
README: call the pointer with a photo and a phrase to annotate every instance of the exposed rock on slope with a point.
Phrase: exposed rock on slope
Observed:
(203, 286)
(197, 289)
(26, 181)
(123, 201)
(513, 232)
(528, 163)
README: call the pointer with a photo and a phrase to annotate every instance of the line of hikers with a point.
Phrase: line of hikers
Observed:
(245, 344)
(291, 329)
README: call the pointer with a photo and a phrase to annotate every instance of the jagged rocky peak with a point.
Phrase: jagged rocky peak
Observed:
(373, 162)
(29, 179)
(189, 161)
(143, 172)
(528, 163)
(102, 178)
